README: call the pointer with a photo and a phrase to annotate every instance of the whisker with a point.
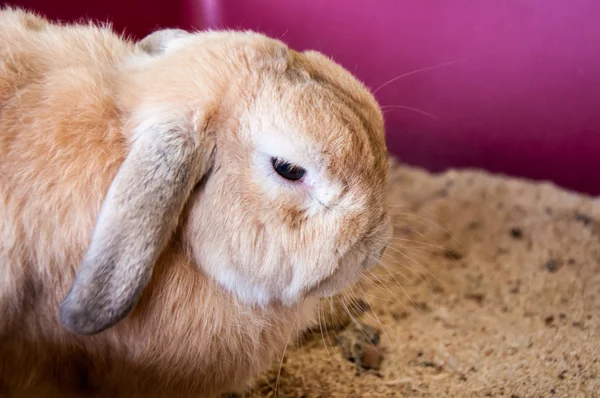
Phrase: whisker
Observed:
(421, 234)
(284, 33)
(399, 285)
(385, 299)
(410, 108)
(358, 325)
(373, 315)
(401, 264)
(346, 309)
(402, 287)
(338, 321)
(281, 363)
(319, 310)
(381, 283)
(394, 261)
(417, 242)
(418, 264)
(327, 331)
(417, 218)
(354, 301)
(414, 72)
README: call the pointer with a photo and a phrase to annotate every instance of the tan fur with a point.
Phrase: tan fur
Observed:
(76, 103)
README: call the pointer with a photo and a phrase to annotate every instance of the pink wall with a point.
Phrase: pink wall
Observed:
(520, 96)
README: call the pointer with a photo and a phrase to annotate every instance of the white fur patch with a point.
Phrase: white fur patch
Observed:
(237, 285)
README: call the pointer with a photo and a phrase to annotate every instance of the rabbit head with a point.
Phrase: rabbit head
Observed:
(268, 164)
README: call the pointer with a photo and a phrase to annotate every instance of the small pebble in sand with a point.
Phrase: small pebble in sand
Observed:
(583, 218)
(516, 233)
(552, 265)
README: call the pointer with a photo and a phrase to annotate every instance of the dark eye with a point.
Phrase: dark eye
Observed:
(287, 170)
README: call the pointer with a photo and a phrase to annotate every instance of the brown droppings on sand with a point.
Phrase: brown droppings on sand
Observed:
(473, 225)
(562, 375)
(516, 233)
(359, 345)
(400, 315)
(452, 254)
(477, 297)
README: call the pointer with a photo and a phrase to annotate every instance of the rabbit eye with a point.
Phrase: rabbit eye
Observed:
(287, 170)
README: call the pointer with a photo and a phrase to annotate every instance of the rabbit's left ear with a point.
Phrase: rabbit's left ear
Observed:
(138, 217)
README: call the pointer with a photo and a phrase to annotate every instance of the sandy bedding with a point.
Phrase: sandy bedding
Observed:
(491, 289)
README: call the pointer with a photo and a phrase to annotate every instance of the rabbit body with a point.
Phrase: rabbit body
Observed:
(71, 99)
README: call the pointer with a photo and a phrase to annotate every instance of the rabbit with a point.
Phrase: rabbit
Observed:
(173, 209)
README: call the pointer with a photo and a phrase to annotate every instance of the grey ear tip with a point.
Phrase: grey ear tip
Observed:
(77, 319)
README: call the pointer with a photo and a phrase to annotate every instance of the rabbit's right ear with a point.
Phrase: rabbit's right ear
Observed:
(163, 41)
(138, 217)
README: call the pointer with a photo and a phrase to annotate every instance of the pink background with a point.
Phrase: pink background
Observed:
(518, 90)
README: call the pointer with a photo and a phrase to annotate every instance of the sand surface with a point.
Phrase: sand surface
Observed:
(490, 289)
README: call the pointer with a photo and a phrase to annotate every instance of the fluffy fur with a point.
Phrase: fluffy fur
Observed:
(147, 246)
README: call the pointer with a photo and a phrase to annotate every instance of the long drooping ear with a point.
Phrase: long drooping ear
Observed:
(139, 214)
